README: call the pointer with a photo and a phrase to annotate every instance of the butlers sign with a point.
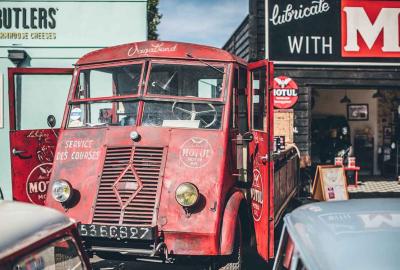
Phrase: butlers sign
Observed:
(332, 31)
(71, 23)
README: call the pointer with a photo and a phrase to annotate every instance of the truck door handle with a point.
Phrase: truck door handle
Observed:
(19, 153)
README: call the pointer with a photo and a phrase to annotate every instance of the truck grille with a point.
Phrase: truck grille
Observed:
(128, 187)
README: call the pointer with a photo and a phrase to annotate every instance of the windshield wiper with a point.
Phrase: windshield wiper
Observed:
(205, 63)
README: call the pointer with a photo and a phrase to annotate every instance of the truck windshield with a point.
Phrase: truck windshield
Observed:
(177, 95)
(109, 81)
(182, 114)
(189, 81)
(122, 113)
(185, 81)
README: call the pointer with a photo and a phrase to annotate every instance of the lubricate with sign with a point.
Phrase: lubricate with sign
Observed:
(257, 195)
(302, 32)
(285, 92)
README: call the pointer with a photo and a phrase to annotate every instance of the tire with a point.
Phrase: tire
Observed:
(235, 260)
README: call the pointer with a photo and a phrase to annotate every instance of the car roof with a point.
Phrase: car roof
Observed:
(158, 49)
(354, 234)
(22, 224)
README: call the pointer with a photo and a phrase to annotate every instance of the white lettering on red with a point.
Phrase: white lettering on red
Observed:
(359, 23)
(155, 48)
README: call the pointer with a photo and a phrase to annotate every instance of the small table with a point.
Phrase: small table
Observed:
(355, 170)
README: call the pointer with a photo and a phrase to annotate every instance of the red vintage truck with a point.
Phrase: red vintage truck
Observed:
(166, 150)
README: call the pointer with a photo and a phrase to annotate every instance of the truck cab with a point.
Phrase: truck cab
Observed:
(165, 150)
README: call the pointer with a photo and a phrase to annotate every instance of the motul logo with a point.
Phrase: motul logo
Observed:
(38, 187)
(370, 28)
(285, 92)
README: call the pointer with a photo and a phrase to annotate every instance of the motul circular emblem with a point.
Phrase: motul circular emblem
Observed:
(37, 183)
(195, 152)
(257, 195)
(285, 92)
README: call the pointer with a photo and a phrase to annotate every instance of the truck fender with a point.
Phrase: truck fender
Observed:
(229, 219)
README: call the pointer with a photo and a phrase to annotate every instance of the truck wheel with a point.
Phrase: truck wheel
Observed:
(235, 260)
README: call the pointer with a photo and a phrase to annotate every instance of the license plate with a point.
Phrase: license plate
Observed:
(117, 232)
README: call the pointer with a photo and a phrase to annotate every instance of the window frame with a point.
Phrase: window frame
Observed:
(74, 100)
(225, 67)
(265, 102)
(142, 96)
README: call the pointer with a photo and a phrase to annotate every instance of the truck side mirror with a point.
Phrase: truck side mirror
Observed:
(51, 121)
(1, 195)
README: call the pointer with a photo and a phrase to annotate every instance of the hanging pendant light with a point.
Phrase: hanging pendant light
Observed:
(345, 99)
(377, 94)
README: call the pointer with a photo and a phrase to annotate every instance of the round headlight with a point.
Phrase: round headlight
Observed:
(187, 194)
(61, 191)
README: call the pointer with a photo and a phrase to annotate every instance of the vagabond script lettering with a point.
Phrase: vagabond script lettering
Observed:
(155, 48)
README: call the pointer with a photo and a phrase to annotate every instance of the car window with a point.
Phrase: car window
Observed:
(61, 254)
(300, 265)
(287, 258)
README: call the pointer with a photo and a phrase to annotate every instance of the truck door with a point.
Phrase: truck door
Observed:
(34, 93)
(260, 76)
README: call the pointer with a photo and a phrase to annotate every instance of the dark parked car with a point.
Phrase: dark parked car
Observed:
(359, 234)
(34, 237)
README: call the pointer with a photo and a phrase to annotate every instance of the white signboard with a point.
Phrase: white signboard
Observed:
(71, 24)
(1, 101)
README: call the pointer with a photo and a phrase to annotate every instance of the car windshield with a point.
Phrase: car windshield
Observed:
(185, 80)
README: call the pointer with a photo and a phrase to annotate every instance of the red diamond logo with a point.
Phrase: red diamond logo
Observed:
(128, 182)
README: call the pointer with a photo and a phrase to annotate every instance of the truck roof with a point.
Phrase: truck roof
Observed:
(158, 49)
(22, 224)
(353, 234)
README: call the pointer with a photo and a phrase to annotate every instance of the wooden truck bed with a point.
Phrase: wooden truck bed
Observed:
(286, 180)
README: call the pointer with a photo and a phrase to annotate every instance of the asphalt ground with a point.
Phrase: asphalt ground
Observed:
(98, 263)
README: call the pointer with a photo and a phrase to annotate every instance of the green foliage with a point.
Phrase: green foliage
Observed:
(153, 19)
